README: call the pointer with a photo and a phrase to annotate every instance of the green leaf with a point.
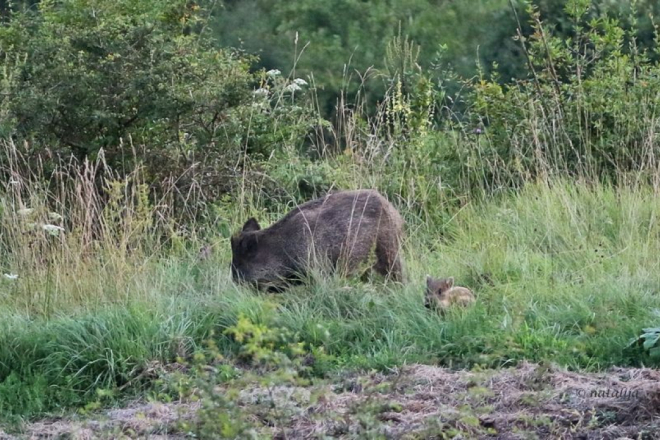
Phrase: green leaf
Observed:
(650, 342)
(651, 330)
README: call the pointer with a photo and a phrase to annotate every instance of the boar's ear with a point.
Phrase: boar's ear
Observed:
(450, 281)
(251, 225)
(429, 280)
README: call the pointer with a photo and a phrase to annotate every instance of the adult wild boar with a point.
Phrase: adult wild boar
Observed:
(342, 228)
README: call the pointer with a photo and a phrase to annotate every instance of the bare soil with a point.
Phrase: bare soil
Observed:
(417, 401)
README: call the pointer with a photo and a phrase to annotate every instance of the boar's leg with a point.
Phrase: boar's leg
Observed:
(388, 261)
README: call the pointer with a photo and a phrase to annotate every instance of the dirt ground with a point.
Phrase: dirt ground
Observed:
(418, 401)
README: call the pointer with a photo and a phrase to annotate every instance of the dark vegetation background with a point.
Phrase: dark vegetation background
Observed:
(169, 85)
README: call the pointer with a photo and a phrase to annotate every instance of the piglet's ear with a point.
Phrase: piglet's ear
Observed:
(450, 281)
(251, 225)
(429, 280)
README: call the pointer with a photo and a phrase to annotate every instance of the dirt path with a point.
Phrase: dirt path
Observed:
(529, 401)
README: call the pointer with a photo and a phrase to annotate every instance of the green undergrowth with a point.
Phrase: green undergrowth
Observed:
(563, 273)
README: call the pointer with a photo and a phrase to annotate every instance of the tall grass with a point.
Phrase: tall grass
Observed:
(562, 271)
(82, 228)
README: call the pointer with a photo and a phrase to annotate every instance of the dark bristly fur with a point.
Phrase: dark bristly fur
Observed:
(342, 229)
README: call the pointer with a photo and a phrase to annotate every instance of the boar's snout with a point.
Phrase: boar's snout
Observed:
(244, 274)
(238, 275)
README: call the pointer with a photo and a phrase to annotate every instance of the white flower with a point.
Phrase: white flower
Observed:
(10, 276)
(25, 211)
(52, 229)
(292, 87)
(273, 72)
(300, 81)
(261, 92)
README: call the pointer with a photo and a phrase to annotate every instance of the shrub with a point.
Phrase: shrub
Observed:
(586, 107)
(139, 83)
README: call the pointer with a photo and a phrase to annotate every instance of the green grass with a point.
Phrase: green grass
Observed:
(563, 273)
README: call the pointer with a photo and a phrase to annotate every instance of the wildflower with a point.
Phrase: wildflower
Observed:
(293, 87)
(300, 81)
(10, 276)
(53, 229)
(273, 73)
(261, 92)
(25, 211)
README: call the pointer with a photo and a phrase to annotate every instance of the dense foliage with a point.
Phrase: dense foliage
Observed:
(343, 40)
(139, 81)
(149, 83)
(585, 107)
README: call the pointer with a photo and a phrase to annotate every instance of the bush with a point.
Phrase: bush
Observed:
(137, 82)
(587, 106)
